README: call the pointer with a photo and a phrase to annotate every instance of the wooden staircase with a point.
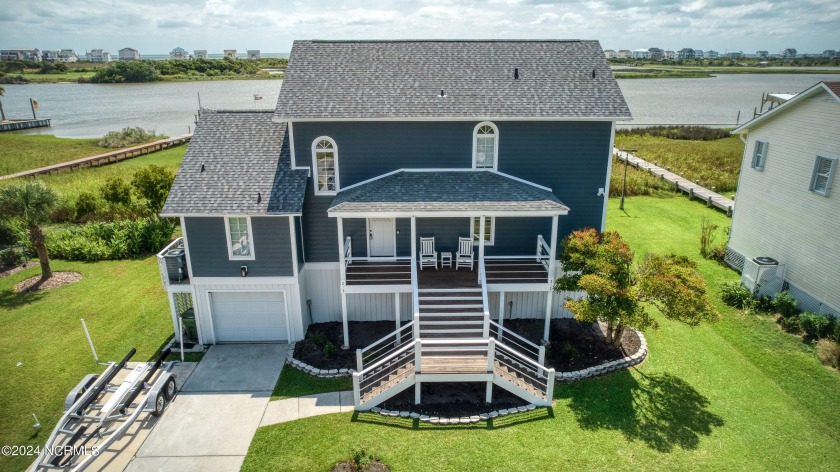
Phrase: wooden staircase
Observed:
(451, 313)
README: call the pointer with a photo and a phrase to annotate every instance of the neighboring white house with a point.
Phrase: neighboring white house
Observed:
(641, 54)
(230, 53)
(179, 53)
(610, 53)
(788, 205)
(50, 55)
(129, 54)
(711, 54)
(253, 53)
(200, 54)
(98, 55)
(625, 54)
(67, 55)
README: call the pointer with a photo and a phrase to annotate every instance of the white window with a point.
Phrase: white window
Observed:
(240, 238)
(823, 172)
(485, 146)
(325, 163)
(489, 229)
(759, 155)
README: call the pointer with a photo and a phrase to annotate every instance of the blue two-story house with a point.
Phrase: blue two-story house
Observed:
(423, 182)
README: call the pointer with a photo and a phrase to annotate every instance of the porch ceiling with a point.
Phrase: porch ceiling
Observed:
(476, 192)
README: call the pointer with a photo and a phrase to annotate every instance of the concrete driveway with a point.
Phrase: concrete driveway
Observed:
(211, 422)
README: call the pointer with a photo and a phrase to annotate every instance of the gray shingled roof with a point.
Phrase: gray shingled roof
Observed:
(247, 168)
(402, 79)
(471, 191)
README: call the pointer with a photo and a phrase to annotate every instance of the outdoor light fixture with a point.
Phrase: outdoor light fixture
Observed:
(243, 271)
(600, 192)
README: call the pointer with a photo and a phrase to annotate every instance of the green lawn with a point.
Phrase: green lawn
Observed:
(69, 76)
(124, 306)
(295, 383)
(737, 395)
(19, 152)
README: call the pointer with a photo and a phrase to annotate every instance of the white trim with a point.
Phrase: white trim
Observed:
(439, 169)
(444, 214)
(495, 145)
(368, 234)
(606, 196)
(813, 90)
(448, 118)
(321, 266)
(287, 280)
(190, 272)
(291, 132)
(293, 241)
(492, 235)
(315, 166)
(302, 244)
(227, 290)
(252, 255)
(224, 215)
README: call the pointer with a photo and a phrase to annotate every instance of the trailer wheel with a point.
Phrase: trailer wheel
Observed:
(160, 404)
(170, 388)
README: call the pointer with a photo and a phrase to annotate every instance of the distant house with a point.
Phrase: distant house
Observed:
(178, 53)
(829, 54)
(253, 53)
(698, 54)
(711, 54)
(789, 200)
(129, 54)
(641, 54)
(20, 55)
(685, 54)
(669, 55)
(67, 55)
(789, 53)
(230, 53)
(656, 54)
(625, 54)
(610, 53)
(762, 54)
(50, 55)
(200, 54)
(734, 55)
(98, 55)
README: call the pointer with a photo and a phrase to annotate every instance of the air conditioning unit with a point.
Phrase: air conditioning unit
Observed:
(763, 276)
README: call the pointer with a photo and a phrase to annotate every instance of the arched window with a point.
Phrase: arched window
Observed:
(325, 163)
(485, 146)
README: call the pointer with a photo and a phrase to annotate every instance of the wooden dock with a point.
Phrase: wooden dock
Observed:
(104, 159)
(15, 125)
(692, 189)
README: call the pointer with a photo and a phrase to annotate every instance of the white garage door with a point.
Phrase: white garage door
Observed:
(249, 316)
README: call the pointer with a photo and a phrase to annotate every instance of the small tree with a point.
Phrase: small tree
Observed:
(153, 184)
(601, 264)
(31, 204)
(116, 191)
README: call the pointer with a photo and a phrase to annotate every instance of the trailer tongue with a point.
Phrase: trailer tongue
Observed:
(100, 409)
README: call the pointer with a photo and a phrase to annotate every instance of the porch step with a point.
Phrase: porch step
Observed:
(439, 298)
(449, 290)
(459, 305)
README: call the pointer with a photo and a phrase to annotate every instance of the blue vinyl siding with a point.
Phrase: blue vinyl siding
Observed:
(445, 230)
(299, 242)
(569, 157)
(403, 237)
(356, 229)
(208, 242)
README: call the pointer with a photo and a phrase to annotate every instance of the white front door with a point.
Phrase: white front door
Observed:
(381, 237)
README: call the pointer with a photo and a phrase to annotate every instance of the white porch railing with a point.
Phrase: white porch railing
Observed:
(166, 274)
(384, 346)
(348, 251)
(482, 279)
(543, 251)
(522, 345)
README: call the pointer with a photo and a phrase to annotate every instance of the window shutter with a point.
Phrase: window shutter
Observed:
(824, 169)
(759, 155)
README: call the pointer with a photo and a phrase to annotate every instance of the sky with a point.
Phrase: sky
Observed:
(157, 26)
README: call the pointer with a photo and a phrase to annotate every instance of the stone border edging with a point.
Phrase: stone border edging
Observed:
(312, 370)
(444, 421)
(627, 361)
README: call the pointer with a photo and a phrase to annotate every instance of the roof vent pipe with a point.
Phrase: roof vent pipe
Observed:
(516, 73)
(259, 197)
(442, 94)
(593, 73)
(202, 167)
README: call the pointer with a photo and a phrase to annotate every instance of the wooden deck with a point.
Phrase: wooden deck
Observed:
(499, 271)
(379, 273)
(693, 190)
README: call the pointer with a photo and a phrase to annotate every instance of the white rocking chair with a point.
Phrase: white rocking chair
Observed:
(428, 255)
(465, 253)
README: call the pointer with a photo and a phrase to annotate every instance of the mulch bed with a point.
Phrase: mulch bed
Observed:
(574, 345)
(59, 279)
(452, 400)
(362, 333)
(7, 271)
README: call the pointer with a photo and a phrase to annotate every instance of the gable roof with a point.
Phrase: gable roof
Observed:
(246, 168)
(472, 191)
(831, 88)
(336, 80)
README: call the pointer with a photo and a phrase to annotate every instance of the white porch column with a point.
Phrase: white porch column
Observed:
(414, 240)
(549, 302)
(397, 311)
(343, 271)
(175, 315)
(481, 246)
(501, 313)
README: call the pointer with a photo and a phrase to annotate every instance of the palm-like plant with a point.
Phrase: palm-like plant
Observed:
(31, 203)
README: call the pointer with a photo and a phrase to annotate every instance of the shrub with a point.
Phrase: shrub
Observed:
(128, 136)
(837, 331)
(317, 338)
(329, 349)
(153, 184)
(10, 257)
(9, 233)
(132, 71)
(785, 305)
(791, 325)
(116, 191)
(736, 295)
(115, 240)
(708, 233)
(63, 211)
(86, 205)
(816, 325)
(828, 352)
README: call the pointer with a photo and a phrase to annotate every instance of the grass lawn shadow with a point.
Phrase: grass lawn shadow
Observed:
(662, 410)
(10, 299)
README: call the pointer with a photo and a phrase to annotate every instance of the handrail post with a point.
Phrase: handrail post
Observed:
(549, 388)
(491, 354)
(485, 332)
(359, 360)
(418, 355)
(541, 358)
(357, 393)
(416, 326)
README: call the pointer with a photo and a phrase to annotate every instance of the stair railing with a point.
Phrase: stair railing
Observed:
(384, 346)
(399, 363)
(485, 332)
(527, 373)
